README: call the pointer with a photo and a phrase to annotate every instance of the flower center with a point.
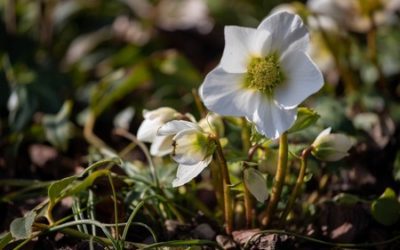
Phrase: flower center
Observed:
(264, 74)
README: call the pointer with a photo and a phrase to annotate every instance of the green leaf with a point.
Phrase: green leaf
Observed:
(389, 193)
(87, 182)
(116, 86)
(58, 128)
(308, 176)
(347, 199)
(21, 228)
(386, 209)
(305, 118)
(56, 189)
(5, 238)
(256, 183)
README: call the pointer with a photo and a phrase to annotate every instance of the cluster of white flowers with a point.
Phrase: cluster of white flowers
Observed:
(357, 15)
(264, 74)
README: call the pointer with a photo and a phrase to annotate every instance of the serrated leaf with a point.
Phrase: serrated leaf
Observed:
(305, 118)
(21, 228)
(256, 184)
(56, 188)
(386, 209)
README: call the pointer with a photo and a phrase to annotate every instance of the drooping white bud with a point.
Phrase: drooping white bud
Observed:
(331, 147)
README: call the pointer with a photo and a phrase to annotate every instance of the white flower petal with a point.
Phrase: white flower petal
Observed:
(321, 135)
(162, 145)
(148, 129)
(341, 142)
(336, 156)
(173, 127)
(237, 49)
(261, 43)
(187, 173)
(222, 93)
(163, 114)
(303, 78)
(331, 147)
(187, 149)
(272, 120)
(153, 120)
(287, 31)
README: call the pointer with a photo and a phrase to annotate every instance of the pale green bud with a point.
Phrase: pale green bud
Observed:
(331, 147)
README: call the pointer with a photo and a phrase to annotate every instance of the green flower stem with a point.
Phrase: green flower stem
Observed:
(248, 201)
(228, 214)
(217, 184)
(279, 180)
(245, 134)
(299, 182)
(198, 103)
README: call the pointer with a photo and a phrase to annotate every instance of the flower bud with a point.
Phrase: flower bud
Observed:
(213, 124)
(153, 120)
(331, 147)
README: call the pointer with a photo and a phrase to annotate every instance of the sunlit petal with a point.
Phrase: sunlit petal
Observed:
(187, 173)
(173, 127)
(237, 49)
(303, 78)
(161, 146)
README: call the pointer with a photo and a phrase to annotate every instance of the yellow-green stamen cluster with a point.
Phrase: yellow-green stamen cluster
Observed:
(204, 143)
(264, 74)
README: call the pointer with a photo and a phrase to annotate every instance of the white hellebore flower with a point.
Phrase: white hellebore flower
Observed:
(331, 147)
(193, 149)
(264, 74)
(147, 132)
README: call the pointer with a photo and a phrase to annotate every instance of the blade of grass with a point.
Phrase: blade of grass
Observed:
(130, 219)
